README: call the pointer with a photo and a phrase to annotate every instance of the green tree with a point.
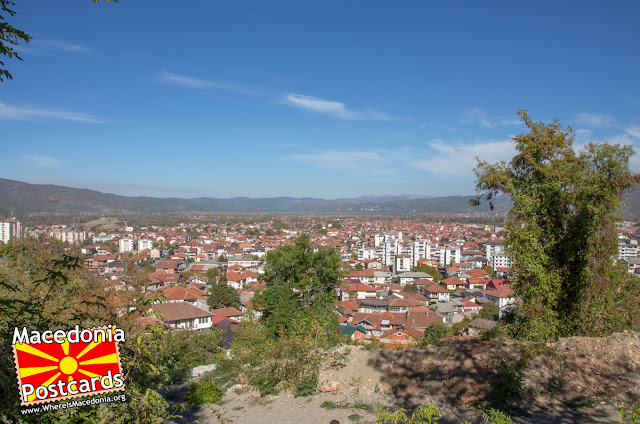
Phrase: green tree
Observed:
(561, 232)
(490, 311)
(223, 296)
(435, 332)
(211, 274)
(488, 270)
(9, 37)
(300, 284)
(409, 288)
(432, 271)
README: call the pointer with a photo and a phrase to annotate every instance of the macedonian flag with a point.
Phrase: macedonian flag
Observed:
(52, 371)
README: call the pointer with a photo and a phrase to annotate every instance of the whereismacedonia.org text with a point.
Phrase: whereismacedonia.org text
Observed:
(57, 365)
(45, 407)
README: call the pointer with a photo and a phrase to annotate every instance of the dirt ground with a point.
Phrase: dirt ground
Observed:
(577, 380)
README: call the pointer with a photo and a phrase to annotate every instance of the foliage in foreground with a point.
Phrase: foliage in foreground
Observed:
(428, 413)
(561, 233)
(41, 287)
(272, 364)
(300, 286)
(633, 415)
(203, 393)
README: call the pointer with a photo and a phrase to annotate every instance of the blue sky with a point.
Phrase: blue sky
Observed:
(307, 99)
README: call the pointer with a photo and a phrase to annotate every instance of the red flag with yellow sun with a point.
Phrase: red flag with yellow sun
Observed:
(56, 371)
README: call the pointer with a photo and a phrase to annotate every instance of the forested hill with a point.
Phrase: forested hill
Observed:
(25, 199)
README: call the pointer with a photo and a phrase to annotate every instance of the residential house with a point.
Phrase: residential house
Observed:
(403, 336)
(410, 277)
(501, 297)
(190, 295)
(453, 283)
(437, 293)
(183, 315)
(356, 333)
(363, 291)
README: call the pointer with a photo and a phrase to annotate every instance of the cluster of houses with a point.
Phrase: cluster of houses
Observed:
(396, 310)
(383, 296)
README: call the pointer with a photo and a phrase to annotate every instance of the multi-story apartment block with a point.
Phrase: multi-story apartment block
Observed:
(402, 263)
(145, 244)
(497, 256)
(448, 254)
(126, 245)
(74, 237)
(627, 249)
(9, 227)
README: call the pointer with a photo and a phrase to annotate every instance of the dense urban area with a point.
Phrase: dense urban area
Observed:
(399, 276)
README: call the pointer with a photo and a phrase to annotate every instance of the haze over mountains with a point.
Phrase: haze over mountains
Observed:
(24, 199)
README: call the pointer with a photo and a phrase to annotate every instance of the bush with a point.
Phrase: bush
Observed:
(634, 415)
(435, 332)
(307, 386)
(203, 393)
(265, 384)
(492, 333)
(493, 416)
(288, 362)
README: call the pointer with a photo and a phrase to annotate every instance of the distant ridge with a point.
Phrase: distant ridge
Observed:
(24, 199)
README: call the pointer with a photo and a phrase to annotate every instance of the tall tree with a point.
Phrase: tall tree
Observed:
(223, 296)
(300, 284)
(9, 36)
(561, 232)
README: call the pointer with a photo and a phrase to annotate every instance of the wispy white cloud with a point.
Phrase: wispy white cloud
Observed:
(59, 45)
(39, 161)
(634, 131)
(458, 159)
(370, 163)
(582, 134)
(477, 116)
(203, 84)
(314, 104)
(15, 112)
(41, 44)
(333, 108)
(594, 120)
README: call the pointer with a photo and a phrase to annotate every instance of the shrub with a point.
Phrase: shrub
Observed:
(634, 415)
(203, 393)
(306, 386)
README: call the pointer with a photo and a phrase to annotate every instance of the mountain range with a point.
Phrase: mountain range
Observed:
(24, 199)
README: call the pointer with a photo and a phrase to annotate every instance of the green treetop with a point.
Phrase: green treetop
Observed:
(561, 232)
(300, 284)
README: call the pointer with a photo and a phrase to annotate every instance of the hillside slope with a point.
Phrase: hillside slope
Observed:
(577, 380)
(25, 199)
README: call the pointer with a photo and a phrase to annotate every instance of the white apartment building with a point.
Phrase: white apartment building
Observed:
(402, 263)
(369, 253)
(421, 250)
(74, 237)
(448, 254)
(627, 249)
(145, 244)
(497, 257)
(9, 227)
(126, 245)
